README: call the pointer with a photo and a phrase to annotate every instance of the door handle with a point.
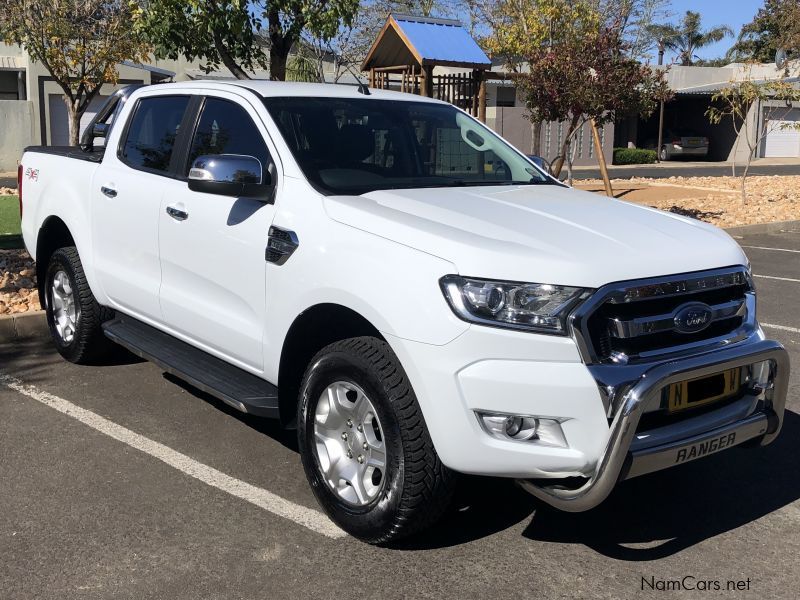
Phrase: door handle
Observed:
(109, 191)
(177, 214)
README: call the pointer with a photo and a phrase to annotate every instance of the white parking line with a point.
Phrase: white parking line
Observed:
(307, 517)
(781, 327)
(775, 249)
(778, 278)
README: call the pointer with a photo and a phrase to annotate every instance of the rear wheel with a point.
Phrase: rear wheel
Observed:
(73, 315)
(365, 448)
(663, 154)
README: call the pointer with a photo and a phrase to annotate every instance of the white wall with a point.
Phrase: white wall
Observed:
(513, 124)
(16, 131)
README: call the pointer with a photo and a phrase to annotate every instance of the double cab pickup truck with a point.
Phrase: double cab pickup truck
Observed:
(415, 296)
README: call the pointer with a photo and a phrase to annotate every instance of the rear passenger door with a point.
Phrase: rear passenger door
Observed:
(212, 261)
(126, 200)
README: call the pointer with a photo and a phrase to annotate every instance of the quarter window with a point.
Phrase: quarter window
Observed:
(152, 132)
(226, 128)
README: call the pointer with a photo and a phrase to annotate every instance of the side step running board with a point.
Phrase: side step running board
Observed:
(242, 390)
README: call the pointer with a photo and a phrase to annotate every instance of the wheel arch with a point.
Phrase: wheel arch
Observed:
(53, 234)
(310, 332)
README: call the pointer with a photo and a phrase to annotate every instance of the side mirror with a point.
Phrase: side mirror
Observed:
(540, 162)
(230, 175)
(100, 130)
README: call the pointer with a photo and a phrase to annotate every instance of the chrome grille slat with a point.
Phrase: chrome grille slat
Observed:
(636, 320)
(631, 328)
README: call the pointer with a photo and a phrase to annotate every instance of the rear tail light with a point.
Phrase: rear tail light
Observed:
(676, 142)
(19, 189)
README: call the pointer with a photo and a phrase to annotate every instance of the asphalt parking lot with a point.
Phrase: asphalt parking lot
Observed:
(119, 482)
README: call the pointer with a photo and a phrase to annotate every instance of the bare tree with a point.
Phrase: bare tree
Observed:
(755, 109)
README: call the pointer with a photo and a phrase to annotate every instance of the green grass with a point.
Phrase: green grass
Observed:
(9, 223)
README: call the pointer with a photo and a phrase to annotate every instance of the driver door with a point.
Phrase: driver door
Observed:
(213, 271)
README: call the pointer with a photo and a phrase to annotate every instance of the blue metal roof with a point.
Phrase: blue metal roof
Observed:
(441, 40)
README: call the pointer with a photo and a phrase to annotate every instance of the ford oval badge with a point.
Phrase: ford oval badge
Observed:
(693, 317)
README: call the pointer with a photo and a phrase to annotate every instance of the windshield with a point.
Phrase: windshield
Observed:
(355, 146)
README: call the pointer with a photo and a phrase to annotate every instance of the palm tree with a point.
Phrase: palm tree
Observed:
(687, 36)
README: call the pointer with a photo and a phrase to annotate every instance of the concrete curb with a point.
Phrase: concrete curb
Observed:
(758, 228)
(23, 326)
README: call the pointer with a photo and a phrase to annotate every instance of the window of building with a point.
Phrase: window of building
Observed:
(506, 96)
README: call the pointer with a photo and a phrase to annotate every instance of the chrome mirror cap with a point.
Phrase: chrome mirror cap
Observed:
(230, 175)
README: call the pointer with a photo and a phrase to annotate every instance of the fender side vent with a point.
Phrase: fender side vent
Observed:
(280, 245)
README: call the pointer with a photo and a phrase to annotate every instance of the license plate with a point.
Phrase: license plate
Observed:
(694, 142)
(703, 390)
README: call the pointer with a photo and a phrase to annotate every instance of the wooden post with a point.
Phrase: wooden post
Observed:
(372, 78)
(473, 91)
(427, 81)
(601, 160)
(481, 96)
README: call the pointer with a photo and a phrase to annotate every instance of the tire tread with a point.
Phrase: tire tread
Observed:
(90, 343)
(428, 484)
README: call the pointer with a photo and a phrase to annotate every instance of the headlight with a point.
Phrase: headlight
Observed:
(528, 306)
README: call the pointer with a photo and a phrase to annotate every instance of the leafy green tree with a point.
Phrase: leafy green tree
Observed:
(216, 32)
(79, 42)
(239, 34)
(287, 20)
(776, 25)
(688, 36)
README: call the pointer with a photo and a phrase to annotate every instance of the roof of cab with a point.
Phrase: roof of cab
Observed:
(267, 89)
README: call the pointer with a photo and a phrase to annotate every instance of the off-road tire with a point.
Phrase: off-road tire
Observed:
(418, 487)
(88, 345)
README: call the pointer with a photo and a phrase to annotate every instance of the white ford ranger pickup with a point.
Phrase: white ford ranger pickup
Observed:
(388, 276)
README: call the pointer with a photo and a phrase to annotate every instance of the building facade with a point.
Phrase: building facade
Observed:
(32, 109)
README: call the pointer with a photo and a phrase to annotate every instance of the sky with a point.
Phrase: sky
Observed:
(733, 13)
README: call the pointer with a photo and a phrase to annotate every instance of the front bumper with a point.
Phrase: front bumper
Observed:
(625, 456)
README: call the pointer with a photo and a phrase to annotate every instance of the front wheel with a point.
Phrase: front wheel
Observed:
(663, 155)
(364, 444)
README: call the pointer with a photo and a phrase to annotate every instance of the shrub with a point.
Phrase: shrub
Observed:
(634, 156)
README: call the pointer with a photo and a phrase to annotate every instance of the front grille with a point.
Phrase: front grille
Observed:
(633, 320)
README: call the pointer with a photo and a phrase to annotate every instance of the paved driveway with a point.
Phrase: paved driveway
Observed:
(119, 482)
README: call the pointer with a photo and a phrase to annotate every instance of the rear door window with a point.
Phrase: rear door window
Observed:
(152, 132)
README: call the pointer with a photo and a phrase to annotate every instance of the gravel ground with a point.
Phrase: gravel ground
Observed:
(714, 199)
(17, 283)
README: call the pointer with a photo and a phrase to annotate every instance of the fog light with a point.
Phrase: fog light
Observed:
(524, 428)
(514, 425)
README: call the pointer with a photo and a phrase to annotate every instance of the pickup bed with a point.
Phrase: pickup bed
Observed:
(417, 298)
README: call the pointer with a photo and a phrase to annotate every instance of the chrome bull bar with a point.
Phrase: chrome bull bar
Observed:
(618, 462)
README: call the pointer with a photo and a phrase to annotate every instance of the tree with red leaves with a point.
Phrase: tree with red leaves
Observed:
(571, 64)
